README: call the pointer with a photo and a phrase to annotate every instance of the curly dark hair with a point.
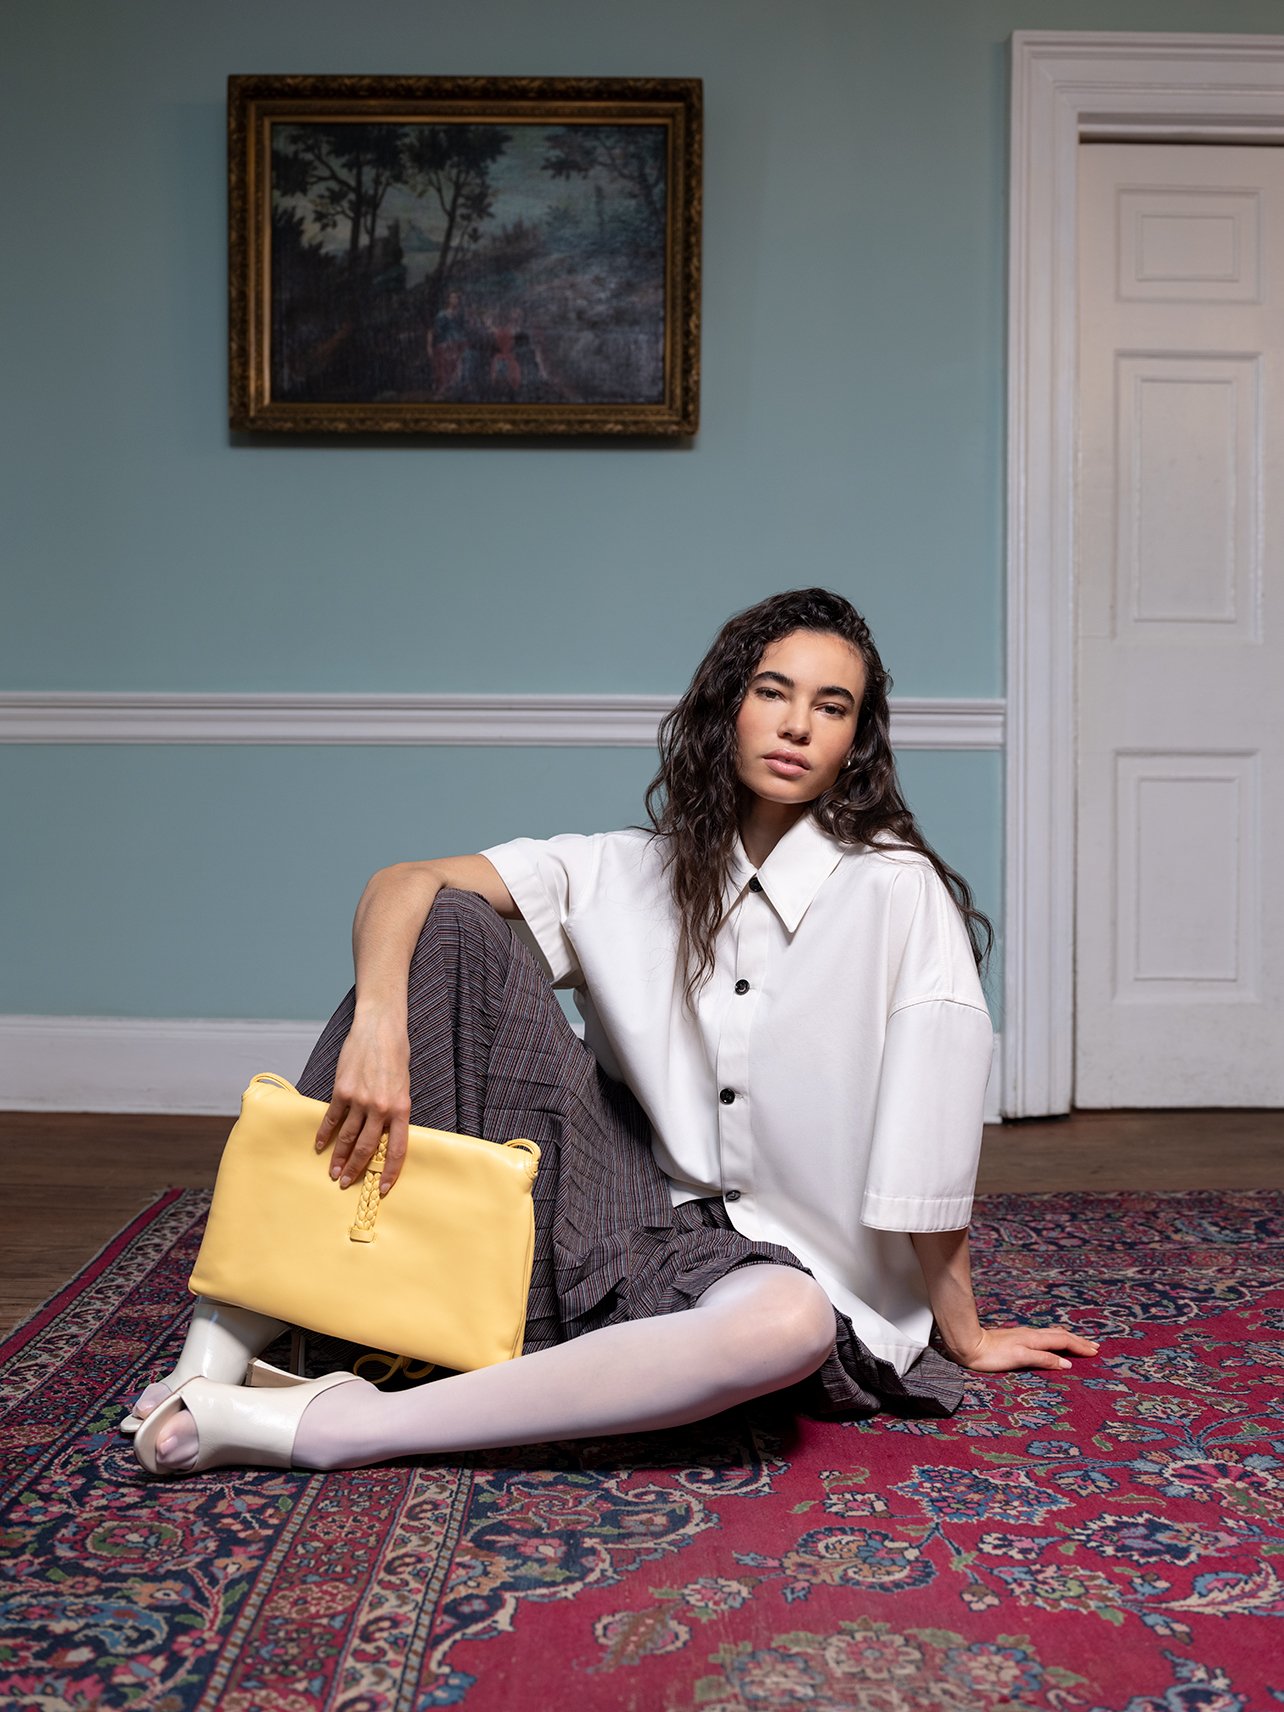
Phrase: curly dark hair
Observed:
(694, 800)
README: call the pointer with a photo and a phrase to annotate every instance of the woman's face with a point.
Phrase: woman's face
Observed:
(797, 722)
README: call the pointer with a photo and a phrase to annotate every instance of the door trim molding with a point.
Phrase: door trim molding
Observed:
(1065, 87)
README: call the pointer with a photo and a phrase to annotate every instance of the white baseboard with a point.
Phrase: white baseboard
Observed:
(142, 1064)
(184, 1066)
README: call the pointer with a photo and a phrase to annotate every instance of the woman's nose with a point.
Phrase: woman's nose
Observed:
(795, 723)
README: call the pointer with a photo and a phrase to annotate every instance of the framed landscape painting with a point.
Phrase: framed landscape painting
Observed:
(465, 255)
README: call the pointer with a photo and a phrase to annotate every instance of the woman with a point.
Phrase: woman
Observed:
(758, 1167)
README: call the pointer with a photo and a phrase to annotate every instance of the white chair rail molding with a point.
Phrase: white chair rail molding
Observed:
(503, 720)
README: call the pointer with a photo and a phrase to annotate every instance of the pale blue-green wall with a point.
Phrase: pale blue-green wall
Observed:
(214, 881)
(851, 434)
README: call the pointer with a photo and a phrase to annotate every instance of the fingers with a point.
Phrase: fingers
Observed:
(1035, 1357)
(1057, 1337)
(336, 1111)
(1007, 1348)
(1080, 1345)
(1061, 1338)
(356, 1144)
(371, 1099)
(398, 1141)
(354, 1128)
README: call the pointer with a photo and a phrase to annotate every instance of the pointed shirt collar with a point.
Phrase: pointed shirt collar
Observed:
(794, 872)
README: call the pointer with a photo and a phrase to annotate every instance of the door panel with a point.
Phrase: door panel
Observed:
(1179, 965)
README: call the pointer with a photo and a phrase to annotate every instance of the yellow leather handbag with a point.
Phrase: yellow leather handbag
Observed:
(437, 1269)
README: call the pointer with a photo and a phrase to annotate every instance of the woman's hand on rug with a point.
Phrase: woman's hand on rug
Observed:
(371, 1100)
(1004, 1349)
(947, 1270)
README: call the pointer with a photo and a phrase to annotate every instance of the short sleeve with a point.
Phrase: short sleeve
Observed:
(548, 879)
(927, 1128)
(935, 1066)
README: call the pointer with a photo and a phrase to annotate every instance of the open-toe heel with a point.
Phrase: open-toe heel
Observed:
(260, 1375)
(250, 1426)
(129, 1424)
(220, 1341)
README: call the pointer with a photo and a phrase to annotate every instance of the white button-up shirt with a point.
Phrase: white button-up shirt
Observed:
(829, 1084)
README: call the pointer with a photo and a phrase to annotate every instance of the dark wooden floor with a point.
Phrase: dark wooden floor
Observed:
(72, 1180)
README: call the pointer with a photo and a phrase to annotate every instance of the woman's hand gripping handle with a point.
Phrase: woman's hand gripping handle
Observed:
(372, 1081)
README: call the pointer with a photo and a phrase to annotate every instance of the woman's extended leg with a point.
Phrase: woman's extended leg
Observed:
(757, 1329)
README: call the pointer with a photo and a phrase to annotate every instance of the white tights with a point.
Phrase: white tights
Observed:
(757, 1329)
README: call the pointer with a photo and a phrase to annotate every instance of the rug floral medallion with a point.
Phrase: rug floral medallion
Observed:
(1107, 1540)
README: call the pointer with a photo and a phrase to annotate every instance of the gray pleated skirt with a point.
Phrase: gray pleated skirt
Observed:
(491, 1053)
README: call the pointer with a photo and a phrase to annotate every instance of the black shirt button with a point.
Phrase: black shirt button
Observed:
(755, 885)
(731, 1195)
(742, 986)
(727, 1095)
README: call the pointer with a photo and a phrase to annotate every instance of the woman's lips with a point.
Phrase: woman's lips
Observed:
(788, 766)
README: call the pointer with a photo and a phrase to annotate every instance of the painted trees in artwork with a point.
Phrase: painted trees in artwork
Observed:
(344, 318)
(630, 156)
(456, 261)
(344, 172)
(452, 164)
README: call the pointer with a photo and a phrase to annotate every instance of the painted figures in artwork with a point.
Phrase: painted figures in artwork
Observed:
(468, 263)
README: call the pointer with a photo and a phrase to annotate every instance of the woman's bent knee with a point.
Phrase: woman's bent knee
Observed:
(461, 926)
(805, 1322)
(451, 905)
(779, 1321)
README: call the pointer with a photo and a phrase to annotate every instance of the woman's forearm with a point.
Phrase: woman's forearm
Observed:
(371, 1094)
(947, 1272)
(389, 919)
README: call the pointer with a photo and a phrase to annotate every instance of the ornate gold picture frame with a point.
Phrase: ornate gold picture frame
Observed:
(447, 255)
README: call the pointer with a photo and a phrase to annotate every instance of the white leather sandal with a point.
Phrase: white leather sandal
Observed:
(261, 1375)
(220, 1341)
(249, 1426)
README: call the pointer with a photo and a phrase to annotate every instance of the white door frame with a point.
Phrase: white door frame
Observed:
(1066, 86)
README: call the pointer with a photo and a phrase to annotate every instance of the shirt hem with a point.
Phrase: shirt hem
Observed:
(904, 1213)
(901, 1356)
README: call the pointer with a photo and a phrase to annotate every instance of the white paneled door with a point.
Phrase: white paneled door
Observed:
(1179, 935)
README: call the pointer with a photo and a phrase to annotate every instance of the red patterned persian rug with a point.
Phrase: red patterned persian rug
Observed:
(1108, 1540)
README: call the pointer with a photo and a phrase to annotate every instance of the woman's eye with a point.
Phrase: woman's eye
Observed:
(833, 707)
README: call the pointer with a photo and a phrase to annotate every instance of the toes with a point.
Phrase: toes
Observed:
(149, 1398)
(179, 1444)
